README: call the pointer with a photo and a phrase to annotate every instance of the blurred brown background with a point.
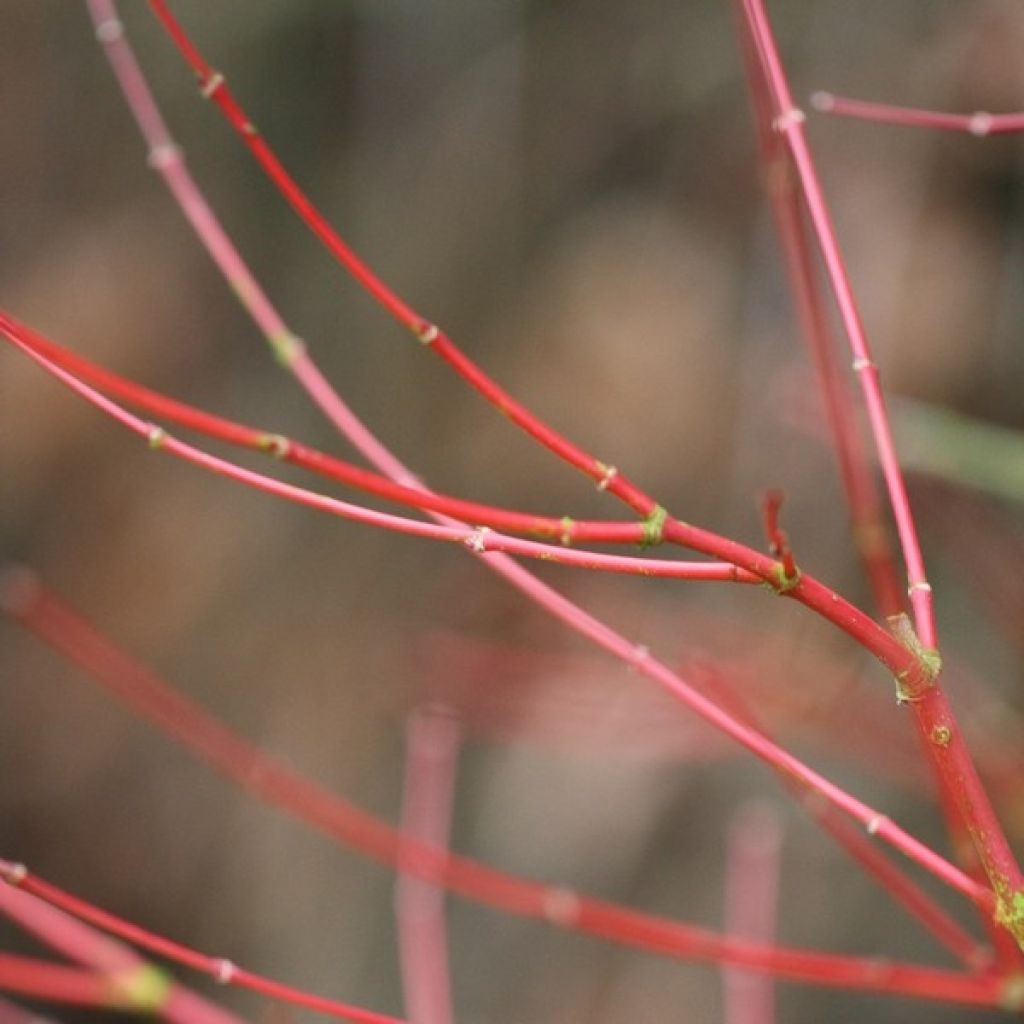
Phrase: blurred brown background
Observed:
(571, 190)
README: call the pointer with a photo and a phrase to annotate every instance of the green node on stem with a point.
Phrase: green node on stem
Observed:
(567, 523)
(929, 661)
(144, 989)
(781, 581)
(654, 527)
(286, 347)
(274, 444)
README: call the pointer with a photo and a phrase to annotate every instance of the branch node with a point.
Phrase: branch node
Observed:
(788, 120)
(213, 82)
(561, 906)
(427, 332)
(156, 437)
(608, 474)
(783, 582)
(110, 31)
(163, 156)
(980, 123)
(641, 652)
(567, 523)
(224, 971)
(13, 873)
(477, 540)
(144, 988)
(911, 686)
(274, 444)
(785, 573)
(654, 527)
(286, 347)
(875, 823)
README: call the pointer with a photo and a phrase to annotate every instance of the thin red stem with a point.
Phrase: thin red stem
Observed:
(754, 741)
(905, 664)
(901, 662)
(479, 539)
(870, 535)
(954, 768)
(788, 121)
(820, 598)
(214, 87)
(565, 529)
(816, 596)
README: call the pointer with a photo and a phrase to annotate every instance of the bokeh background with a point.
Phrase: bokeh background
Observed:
(571, 190)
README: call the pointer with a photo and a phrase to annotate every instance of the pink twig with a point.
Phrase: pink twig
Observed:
(979, 123)
(870, 534)
(788, 122)
(751, 900)
(432, 746)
